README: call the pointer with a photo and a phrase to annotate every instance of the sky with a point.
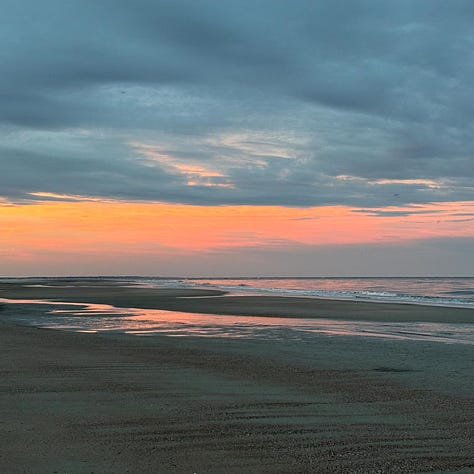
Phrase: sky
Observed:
(236, 137)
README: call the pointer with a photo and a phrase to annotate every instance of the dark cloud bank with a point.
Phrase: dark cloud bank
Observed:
(300, 103)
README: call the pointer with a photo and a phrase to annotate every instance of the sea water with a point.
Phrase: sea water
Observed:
(438, 291)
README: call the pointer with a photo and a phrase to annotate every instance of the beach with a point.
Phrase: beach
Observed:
(111, 403)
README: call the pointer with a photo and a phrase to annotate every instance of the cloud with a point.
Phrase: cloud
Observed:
(251, 102)
(390, 213)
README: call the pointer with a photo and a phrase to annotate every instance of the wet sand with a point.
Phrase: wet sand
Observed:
(82, 403)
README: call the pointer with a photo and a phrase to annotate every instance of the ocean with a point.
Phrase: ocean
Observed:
(439, 291)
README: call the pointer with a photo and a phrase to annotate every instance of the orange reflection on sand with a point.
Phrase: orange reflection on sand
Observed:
(97, 318)
(154, 228)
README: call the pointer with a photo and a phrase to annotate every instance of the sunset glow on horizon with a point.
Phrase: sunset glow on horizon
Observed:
(108, 229)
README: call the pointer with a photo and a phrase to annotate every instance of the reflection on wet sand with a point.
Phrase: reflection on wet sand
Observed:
(95, 318)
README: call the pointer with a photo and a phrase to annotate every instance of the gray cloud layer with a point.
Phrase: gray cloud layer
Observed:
(298, 103)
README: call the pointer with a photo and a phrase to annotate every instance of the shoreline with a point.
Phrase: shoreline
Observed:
(183, 284)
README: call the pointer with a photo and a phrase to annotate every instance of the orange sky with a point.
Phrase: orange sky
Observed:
(113, 228)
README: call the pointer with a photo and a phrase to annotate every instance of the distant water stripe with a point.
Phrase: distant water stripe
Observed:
(427, 291)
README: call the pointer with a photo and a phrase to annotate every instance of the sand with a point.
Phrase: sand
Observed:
(82, 403)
